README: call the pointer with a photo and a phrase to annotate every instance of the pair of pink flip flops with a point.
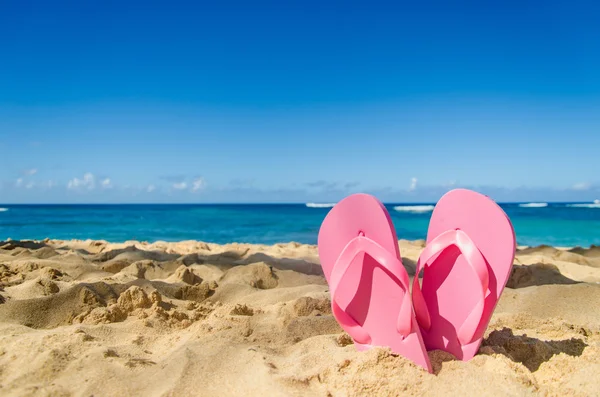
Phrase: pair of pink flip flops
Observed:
(466, 264)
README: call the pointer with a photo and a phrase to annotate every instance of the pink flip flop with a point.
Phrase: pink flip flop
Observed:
(369, 287)
(467, 261)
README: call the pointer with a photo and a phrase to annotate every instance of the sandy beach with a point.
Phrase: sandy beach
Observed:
(87, 318)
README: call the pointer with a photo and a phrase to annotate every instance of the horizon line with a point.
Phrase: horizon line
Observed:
(287, 203)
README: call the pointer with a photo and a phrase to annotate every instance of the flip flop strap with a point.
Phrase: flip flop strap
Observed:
(475, 259)
(395, 270)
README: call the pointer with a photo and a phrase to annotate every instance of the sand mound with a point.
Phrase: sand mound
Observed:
(592, 252)
(41, 253)
(58, 309)
(536, 274)
(531, 352)
(27, 244)
(132, 254)
(257, 275)
(185, 275)
(188, 318)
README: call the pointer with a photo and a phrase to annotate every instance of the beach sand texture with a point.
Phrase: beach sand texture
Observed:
(87, 318)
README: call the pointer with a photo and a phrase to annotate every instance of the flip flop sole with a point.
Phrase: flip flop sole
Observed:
(368, 293)
(450, 286)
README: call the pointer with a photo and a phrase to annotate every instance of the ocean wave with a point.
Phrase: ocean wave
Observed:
(533, 205)
(320, 205)
(3, 209)
(594, 205)
(416, 209)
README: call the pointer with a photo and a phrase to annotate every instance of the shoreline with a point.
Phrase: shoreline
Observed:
(192, 241)
(92, 317)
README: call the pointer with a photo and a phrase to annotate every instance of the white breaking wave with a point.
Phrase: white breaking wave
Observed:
(594, 205)
(320, 205)
(417, 209)
(533, 205)
(3, 209)
(596, 201)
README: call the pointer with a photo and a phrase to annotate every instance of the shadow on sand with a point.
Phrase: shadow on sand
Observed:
(536, 274)
(531, 352)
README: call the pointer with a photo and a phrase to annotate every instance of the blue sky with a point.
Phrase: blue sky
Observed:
(298, 101)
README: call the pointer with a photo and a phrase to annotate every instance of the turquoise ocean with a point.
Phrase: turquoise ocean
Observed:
(557, 224)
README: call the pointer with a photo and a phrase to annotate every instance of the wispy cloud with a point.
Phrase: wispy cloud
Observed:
(582, 186)
(30, 172)
(22, 183)
(331, 186)
(325, 185)
(195, 188)
(351, 185)
(450, 184)
(88, 182)
(198, 184)
(50, 184)
(106, 184)
(413, 184)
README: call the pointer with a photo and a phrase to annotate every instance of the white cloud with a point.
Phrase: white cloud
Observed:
(29, 185)
(582, 186)
(19, 182)
(179, 185)
(30, 172)
(413, 185)
(150, 188)
(198, 184)
(106, 184)
(50, 184)
(88, 182)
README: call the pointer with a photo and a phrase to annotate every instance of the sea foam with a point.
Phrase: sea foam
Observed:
(593, 205)
(320, 205)
(416, 209)
(533, 205)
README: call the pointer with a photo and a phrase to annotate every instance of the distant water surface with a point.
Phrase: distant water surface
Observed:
(558, 224)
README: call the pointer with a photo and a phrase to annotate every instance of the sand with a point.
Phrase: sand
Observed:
(87, 318)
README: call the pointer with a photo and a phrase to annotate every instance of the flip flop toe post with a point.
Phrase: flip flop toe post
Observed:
(466, 264)
(368, 284)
